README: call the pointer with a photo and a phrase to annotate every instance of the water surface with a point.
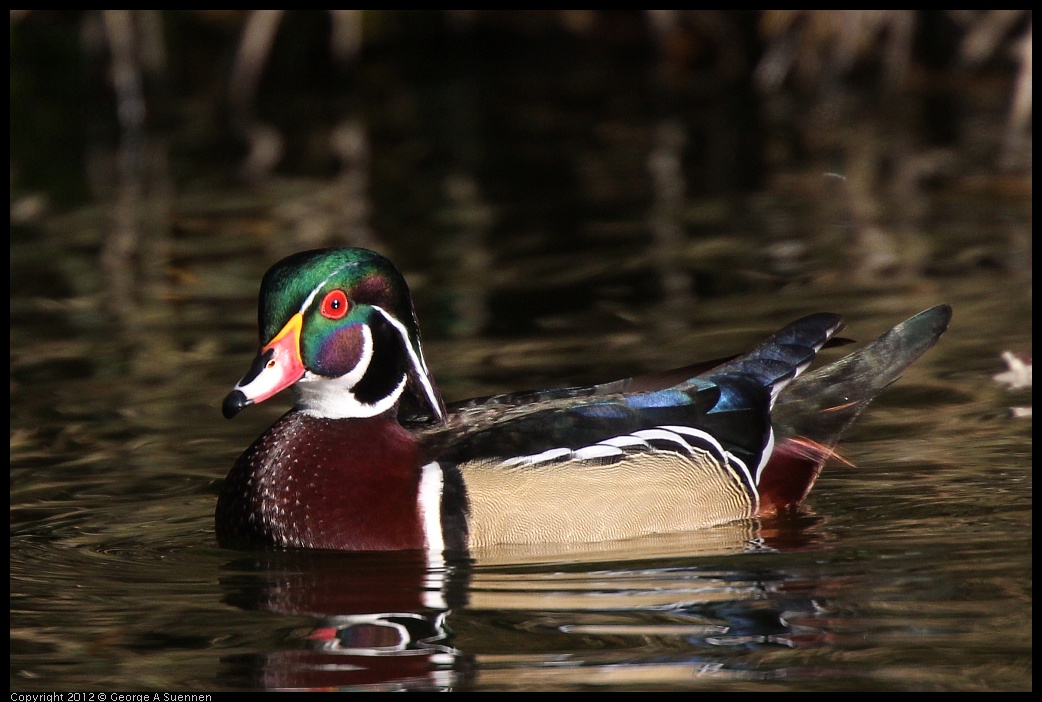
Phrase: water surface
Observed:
(551, 238)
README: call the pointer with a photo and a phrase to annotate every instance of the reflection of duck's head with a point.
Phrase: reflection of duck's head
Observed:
(370, 459)
(377, 620)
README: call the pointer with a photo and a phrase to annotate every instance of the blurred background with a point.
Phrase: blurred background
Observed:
(715, 151)
(574, 196)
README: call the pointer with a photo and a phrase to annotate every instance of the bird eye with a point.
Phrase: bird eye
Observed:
(335, 305)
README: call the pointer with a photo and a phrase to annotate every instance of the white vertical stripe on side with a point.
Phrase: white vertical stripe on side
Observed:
(432, 483)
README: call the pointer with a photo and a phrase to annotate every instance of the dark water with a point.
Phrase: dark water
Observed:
(910, 571)
(537, 258)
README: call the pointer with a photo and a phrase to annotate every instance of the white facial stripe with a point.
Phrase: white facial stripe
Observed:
(311, 296)
(333, 397)
(416, 358)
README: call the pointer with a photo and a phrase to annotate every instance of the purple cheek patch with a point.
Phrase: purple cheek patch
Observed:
(340, 351)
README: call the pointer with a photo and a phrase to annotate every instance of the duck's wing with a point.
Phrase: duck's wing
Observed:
(584, 464)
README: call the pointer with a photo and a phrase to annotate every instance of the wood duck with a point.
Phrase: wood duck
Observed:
(370, 457)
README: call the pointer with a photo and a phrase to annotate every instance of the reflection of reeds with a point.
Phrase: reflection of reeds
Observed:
(810, 50)
(877, 97)
(888, 100)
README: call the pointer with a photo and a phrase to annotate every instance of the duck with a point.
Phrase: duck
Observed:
(370, 457)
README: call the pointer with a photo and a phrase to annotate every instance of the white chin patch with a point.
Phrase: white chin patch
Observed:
(333, 398)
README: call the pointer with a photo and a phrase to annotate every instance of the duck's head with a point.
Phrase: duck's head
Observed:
(340, 325)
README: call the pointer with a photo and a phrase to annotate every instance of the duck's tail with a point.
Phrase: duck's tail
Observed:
(815, 408)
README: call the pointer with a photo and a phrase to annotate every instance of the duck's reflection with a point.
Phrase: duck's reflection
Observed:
(381, 621)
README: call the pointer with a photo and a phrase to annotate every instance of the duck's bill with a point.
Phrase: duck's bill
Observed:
(276, 367)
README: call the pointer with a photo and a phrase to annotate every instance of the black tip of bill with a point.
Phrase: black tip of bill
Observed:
(233, 404)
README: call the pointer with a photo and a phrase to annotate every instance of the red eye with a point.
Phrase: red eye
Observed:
(335, 305)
